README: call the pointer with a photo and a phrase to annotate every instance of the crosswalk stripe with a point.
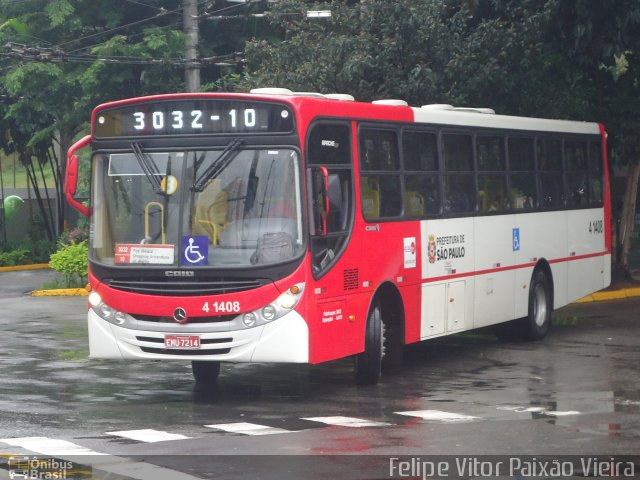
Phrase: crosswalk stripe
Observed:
(540, 410)
(49, 446)
(148, 435)
(347, 422)
(120, 466)
(440, 416)
(248, 428)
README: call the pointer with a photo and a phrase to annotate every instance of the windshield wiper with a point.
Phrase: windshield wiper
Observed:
(228, 154)
(149, 168)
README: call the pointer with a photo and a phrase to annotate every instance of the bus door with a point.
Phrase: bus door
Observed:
(333, 332)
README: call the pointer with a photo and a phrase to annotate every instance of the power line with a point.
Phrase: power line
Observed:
(57, 54)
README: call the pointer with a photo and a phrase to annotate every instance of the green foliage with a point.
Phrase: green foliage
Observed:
(26, 252)
(14, 257)
(71, 261)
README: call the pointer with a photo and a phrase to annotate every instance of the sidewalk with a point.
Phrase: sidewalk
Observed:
(30, 278)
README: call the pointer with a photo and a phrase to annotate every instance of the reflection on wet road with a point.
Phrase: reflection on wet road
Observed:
(576, 392)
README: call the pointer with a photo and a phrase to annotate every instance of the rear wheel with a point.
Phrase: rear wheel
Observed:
(369, 363)
(536, 324)
(538, 320)
(205, 372)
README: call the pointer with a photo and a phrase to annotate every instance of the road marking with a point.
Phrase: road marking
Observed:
(347, 422)
(440, 416)
(49, 446)
(123, 467)
(522, 409)
(148, 435)
(248, 428)
(540, 410)
(560, 414)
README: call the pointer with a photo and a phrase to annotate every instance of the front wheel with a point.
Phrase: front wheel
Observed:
(369, 363)
(536, 324)
(205, 372)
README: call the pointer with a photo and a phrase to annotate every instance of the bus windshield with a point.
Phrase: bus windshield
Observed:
(224, 208)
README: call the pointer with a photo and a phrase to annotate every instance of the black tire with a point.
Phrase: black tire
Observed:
(368, 365)
(535, 325)
(204, 372)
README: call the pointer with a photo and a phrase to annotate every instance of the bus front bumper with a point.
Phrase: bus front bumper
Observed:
(283, 340)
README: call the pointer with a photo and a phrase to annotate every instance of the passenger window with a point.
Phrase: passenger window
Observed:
(490, 152)
(421, 195)
(523, 191)
(380, 196)
(575, 155)
(522, 178)
(596, 177)
(521, 154)
(420, 151)
(492, 189)
(458, 153)
(577, 190)
(549, 154)
(551, 190)
(459, 194)
(379, 150)
(380, 189)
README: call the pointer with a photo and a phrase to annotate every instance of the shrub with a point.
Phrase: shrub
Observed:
(71, 261)
(19, 256)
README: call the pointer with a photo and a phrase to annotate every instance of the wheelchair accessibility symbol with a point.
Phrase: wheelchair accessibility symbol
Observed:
(516, 239)
(195, 250)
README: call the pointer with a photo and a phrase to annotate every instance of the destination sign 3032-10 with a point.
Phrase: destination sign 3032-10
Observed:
(192, 117)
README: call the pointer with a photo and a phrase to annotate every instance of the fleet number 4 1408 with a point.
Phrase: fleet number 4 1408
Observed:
(221, 307)
(596, 226)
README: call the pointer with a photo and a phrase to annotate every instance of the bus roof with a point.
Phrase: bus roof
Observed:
(343, 105)
(441, 114)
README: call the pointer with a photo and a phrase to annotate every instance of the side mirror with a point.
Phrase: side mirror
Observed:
(71, 176)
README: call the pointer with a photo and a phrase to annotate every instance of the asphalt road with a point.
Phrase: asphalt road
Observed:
(575, 393)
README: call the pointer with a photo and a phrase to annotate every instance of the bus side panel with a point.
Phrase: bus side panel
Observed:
(586, 244)
(543, 237)
(377, 253)
(496, 243)
(448, 287)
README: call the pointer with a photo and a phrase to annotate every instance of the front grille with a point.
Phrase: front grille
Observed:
(171, 351)
(187, 288)
(164, 351)
(204, 341)
(216, 319)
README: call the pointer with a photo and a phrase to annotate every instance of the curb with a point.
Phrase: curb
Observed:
(17, 268)
(610, 295)
(61, 292)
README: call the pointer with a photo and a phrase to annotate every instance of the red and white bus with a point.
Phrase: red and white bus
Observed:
(276, 226)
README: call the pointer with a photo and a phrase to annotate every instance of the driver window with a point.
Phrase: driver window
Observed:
(330, 192)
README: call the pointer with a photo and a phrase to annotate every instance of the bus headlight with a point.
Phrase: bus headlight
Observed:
(269, 313)
(104, 311)
(94, 299)
(276, 309)
(249, 319)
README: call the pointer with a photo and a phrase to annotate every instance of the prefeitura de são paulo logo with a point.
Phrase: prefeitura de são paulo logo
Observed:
(431, 249)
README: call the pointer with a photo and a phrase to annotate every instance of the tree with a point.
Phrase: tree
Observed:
(52, 79)
(547, 58)
(63, 57)
(604, 45)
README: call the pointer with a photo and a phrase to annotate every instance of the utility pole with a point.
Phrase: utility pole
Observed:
(190, 27)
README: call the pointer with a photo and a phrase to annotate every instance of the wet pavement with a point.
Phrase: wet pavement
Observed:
(575, 393)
